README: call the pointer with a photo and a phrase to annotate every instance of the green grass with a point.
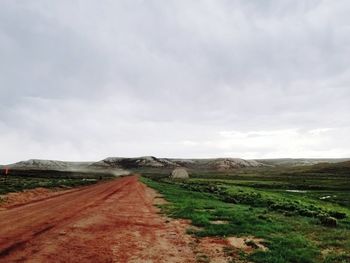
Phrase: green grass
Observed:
(290, 224)
(18, 183)
(286, 202)
(336, 190)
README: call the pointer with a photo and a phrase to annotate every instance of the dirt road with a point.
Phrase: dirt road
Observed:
(109, 222)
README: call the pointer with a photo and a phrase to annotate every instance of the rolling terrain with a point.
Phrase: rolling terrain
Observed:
(137, 162)
(120, 164)
(233, 210)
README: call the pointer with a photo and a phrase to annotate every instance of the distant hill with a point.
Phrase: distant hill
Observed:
(217, 164)
(134, 163)
(154, 162)
(49, 165)
(137, 162)
(233, 163)
(220, 164)
(300, 161)
(334, 168)
(37, 167)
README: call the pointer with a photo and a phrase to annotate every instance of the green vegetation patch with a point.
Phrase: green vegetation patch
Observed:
(289, 205)
(290, 226)
(20, 183)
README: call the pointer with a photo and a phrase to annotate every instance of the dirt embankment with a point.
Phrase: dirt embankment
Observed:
(14, 199)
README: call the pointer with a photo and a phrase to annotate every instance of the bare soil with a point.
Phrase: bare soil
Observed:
(114, 221)
(19, 198)
(108, 222)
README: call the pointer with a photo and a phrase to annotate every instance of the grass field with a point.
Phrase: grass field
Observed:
(19, 180)
(302, 216)
(17, 183)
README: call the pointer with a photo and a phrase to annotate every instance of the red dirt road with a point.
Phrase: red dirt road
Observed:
(109, 222)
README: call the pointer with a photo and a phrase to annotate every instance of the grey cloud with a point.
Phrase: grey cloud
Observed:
(102, 76)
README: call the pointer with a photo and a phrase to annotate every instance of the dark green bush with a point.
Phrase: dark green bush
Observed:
(328, 221)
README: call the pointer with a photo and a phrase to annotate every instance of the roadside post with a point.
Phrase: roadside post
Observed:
(6, 172)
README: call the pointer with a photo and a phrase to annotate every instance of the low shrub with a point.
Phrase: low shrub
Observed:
(328, 221)
(256, 199)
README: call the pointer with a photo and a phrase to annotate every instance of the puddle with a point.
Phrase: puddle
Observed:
(296, 191)
(219, 222)
(327, 197)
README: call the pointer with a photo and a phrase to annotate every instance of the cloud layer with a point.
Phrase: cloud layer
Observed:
(83, 80)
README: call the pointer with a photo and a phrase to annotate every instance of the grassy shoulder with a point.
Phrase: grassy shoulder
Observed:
(291, 227)
(18, 183)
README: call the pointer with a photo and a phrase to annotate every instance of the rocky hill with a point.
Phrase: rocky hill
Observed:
(233, 163)
(37, 167)
(153, 162)
(114, 163)
(138, 162)
(134, 163)
(122, 165)
(38, 164)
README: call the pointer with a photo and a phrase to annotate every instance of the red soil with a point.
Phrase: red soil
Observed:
(19, 198)
(108, 222)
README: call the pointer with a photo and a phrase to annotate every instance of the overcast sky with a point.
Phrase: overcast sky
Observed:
(83, 80)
